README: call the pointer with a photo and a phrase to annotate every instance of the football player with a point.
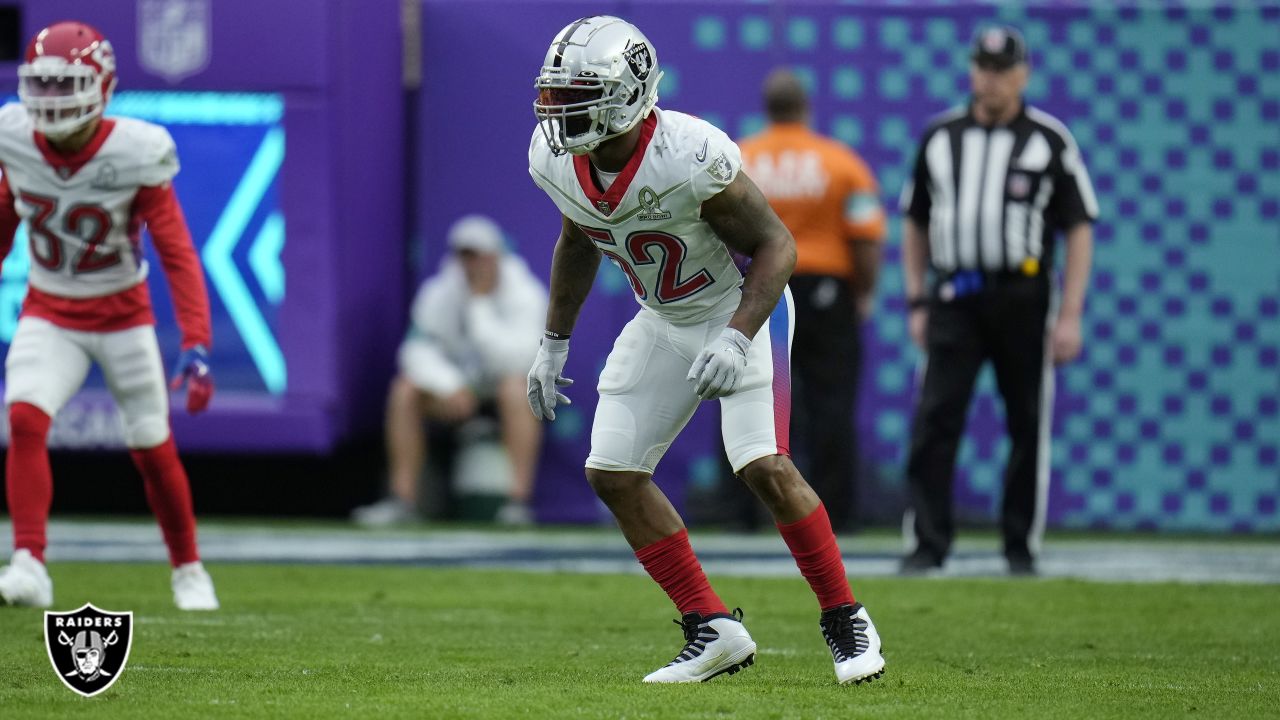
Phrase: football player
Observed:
(661, 195)
(86, 186)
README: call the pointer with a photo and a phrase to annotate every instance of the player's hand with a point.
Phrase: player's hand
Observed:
(719, 368)
(193, 369)
(546, 379)
(1066, 340)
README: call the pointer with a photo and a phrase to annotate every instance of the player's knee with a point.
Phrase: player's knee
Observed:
(613, 483)
(28, 423)
(146, 432)
(770, 477)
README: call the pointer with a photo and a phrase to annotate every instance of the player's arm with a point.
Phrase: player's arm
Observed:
(9, 219)
(158, 207)
(743, 220)
(573, 270)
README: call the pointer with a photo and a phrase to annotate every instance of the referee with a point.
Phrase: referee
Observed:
(993, 184)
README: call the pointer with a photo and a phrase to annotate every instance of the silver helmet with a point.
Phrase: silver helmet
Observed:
(599, 79)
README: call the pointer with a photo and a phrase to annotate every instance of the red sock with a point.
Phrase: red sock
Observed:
(672, 564)
(169, 495)
(813, 545)
(29, 489)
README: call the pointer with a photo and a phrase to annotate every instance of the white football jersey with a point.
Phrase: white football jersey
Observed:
(649, 222)
(80, 225)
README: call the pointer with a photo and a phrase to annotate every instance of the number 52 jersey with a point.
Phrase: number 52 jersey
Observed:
(649, 222)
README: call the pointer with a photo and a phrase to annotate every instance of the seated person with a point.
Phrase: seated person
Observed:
(473, 333)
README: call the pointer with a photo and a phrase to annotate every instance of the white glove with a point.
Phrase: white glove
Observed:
(545, 378)
(720, 366)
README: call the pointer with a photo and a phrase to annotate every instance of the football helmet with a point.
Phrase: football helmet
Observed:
(599, 79)
(66, 78)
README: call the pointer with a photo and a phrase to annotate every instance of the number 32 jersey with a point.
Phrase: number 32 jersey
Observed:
(649, 221)
(85, 214)
(79, 209)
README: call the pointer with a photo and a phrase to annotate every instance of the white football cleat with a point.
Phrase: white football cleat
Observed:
(193, 588)
(713, 646)
(854, 643)
(24, 581)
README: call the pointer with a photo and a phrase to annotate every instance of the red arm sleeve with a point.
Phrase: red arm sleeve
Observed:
(158, 207)
(8, 219)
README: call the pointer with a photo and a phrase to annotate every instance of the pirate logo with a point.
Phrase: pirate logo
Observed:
(652, 205)
(721, 168)
(639, 59)
(88, 647)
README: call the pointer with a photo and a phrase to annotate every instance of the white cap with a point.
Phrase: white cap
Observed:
(476, 232)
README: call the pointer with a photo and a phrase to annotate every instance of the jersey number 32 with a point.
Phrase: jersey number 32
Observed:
(88, 223)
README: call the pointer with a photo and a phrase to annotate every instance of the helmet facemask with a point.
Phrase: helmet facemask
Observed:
(574, 113)
(61, 97)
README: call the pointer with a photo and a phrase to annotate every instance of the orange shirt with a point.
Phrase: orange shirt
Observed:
(823, 192)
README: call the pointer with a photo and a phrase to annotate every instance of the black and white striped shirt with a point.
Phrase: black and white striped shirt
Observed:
(993, 198)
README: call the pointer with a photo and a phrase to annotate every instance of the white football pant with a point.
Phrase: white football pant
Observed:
(47, 364)
(645, 400)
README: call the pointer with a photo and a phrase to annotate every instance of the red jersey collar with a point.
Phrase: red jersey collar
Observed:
(605, 203)
(68, 165)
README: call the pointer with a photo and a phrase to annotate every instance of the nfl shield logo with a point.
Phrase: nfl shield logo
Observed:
(88, 647)
(174, 39)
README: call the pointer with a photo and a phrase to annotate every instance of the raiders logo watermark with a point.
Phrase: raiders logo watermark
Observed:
(88, 647)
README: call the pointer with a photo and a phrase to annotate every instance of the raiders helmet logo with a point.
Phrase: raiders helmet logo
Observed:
(721, 168)
(639, 60)
(88, 647)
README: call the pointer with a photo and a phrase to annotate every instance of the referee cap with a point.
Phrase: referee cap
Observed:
(998, 47)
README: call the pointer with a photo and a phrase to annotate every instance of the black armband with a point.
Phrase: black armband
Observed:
(550, 335)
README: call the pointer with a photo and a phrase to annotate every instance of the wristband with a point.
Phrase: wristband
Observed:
(919, 302)
(551, 335)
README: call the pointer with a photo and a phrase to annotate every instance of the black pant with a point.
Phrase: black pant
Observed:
(826, 356)
(1005, 322)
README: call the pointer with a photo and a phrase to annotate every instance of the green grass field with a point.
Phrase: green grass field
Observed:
(334, 641)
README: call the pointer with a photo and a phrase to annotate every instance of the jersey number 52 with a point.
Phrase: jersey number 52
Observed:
(641, 246)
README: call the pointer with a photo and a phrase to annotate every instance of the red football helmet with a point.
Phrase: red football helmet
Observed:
(66, 78)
